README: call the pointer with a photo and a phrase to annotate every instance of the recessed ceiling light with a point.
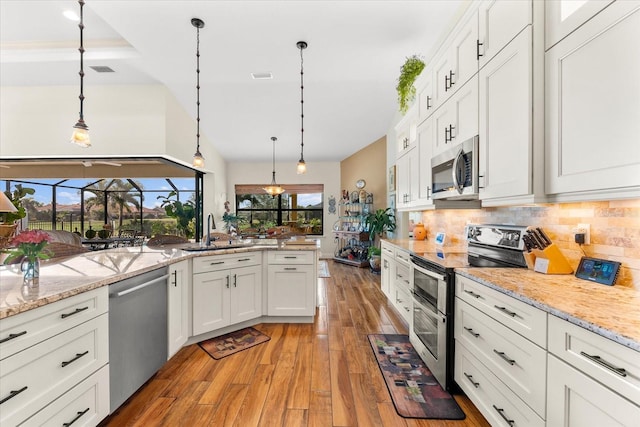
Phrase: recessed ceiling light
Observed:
(71, 15)
(262, 76)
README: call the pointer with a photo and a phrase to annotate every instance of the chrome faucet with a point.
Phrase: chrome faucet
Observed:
(210, 221)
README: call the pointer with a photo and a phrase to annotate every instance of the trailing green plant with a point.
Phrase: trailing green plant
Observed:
(373, 251)
(16, 197)
(409, 71)
(184, 213)
(379, 222)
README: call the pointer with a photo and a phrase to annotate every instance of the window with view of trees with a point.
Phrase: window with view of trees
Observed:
(300, 208)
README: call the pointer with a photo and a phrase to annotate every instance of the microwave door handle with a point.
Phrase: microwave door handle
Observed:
(454, 172)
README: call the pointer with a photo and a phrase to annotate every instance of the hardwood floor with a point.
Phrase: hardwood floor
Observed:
(321, 374)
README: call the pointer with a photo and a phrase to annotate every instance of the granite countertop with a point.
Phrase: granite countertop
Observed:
(66, 277)
(610, 311)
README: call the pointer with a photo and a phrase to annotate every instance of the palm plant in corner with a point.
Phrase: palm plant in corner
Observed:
(377, 223)
(409, 72)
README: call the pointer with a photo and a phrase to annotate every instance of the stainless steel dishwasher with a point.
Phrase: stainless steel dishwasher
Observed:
(137, 332)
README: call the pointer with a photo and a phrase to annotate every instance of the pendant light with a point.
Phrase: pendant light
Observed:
(302, 166)
(274, 189)
(198, 160)
(80, 135)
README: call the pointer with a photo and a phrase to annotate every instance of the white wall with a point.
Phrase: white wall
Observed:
(140, 120)
(327, 173)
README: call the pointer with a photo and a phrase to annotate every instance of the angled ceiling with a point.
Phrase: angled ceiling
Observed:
(355, 52)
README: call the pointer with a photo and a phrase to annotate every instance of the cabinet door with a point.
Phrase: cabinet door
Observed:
(246, 293)
(290, 290)
(425, 146)
(499, 23)
(593, 104)
(406, 174)
(178, 310)
(464, 107)
(424, 88)
(574, 399)
(441, 77)
(505, 165)
(442, 124)
(210, 301)
(564, 16)
(463, 51)
(385, 275)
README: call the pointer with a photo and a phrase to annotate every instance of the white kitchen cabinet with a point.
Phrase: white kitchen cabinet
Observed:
(504, 341)
(424, 89)
(387, 266)
(407, 178)
(291, 283)
(178, 305)
(46, 351)
(223, 296)
(576, 400)
(592, 108)
(406, 130)
(456, 120)
(401, 290)
(506, 122)
(425, 149)
(457, 62)
(562, 17)
(500, 22)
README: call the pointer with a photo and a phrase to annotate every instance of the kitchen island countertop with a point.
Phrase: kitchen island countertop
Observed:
(65, 277)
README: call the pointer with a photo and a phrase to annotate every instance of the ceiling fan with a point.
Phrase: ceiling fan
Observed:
(89, 163)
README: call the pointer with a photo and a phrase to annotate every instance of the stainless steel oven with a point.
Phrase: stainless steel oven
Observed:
(432, 327)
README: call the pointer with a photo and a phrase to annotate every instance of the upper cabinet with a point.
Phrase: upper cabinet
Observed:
(564, 16)
(499, 23)
(593, 106)
(406, 131)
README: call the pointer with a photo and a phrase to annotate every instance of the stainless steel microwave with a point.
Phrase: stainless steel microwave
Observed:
(454, 173)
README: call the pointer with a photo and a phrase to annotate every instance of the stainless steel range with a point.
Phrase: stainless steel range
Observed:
(431, 332)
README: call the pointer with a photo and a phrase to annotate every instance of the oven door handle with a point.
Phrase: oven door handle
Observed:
(427, 272)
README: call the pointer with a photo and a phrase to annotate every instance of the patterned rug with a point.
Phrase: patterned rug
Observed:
(414, 390)
(233, 342)
(323, 269)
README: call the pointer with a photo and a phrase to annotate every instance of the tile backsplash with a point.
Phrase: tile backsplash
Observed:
(615, 229)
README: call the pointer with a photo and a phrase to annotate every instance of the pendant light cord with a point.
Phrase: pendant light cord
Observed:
(198, 88)
(302, 47)
(81, 26)
(273, 174)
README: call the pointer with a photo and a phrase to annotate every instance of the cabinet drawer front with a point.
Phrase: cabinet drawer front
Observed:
(402, 278)
(523, 318)
(31, 327)
(519, 363)
(402, 257)
(87, 403)
(575, 399)
(489, 395)
(223, 262)
(291, 257)
(83, 350)
(612, 364)
(387, 248)
(403, 302)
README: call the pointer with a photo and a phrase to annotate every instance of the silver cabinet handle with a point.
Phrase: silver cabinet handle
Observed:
(504, 417)
(470, 378)
(475, 334)
(504, 357)
(597, 359)
(505, 311)
(473, 294)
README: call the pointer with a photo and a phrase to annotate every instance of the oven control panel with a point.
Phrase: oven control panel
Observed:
(497, 235)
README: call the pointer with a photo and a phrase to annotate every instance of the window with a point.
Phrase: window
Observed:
(300, 208)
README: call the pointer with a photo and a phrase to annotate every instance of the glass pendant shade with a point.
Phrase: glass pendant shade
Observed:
(198, 160)
(274, 189)
(302, 167)
(80, 135)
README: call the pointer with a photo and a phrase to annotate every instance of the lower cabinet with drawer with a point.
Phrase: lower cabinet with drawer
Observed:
(35, 373)
(401, 291)
(291, 283)
(593, 381)
(227, 289)
(501, 356)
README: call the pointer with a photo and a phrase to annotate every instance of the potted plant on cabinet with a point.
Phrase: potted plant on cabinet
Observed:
(409, 71)
(377, 223)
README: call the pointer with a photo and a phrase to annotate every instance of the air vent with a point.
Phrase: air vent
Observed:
(102, 69)
(262, 76)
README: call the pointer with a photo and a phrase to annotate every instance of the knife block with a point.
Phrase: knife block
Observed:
(550, 261)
